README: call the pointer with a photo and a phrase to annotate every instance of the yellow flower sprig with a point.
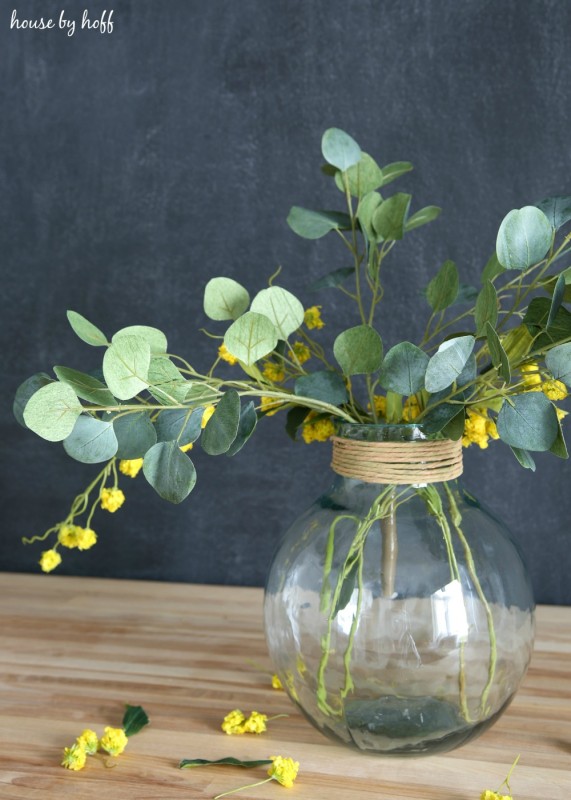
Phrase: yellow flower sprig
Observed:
(114, 740)
(282, 769)
(488, 794)
(236, 722)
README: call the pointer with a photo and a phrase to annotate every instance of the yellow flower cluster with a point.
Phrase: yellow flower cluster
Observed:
(207, 413)
(479, 428)
(276, 683)
(237, 722)
(113, 741)
(49, 560)
(186, 447)
(270, 405)
(312, 318)
(273, 372)
(225, 355)
(411, 409)
(284, 770)
(112, 499)
(317, 430)
(131, 467)
(301, 352)
(489, 795)
(533, 382)
(73, 536)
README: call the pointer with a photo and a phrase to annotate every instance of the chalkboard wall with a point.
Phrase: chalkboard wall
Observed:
(136, 164)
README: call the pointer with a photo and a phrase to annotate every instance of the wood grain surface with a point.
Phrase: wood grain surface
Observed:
(74, 650)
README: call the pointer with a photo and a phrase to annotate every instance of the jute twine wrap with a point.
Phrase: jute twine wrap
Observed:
(419, 461)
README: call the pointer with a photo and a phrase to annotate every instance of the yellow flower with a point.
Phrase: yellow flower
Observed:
(67, 536)
(226, 355)
(233, 722)
(555, 390)
(88, 741)
(186, 447)
(256, 723)
(312, 318)
(50, 560)
(301, 352)
(411, 409)
(276, 683)
(206, 414)
(561, 414)
(489, 795)
(478, 428)
(319, 430)
(270, 405)
(86, 538)
(74, 757)
(531, 377)
(284, 770)
(274, 372)
(114, 741)
(131, 467)
(380, 405)
(112, 499)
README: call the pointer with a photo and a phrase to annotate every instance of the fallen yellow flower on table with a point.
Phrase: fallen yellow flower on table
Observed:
(236, 722)
(114, 741)
(276, 683)
(282, 769)
(74, 757)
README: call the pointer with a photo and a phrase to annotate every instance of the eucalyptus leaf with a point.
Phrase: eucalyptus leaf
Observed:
(559, 447)
(332, 279)
(155, 338)
(393, 171)
(557, 210)
(455, 428)
(437, 418)
(365, 212)
(135, 434)
(251, 337)
(198, 394)
(294, 420)
(126, 366)
(87, 331)
(486, 308)
(134, 719)
(556, 299)
(403, 369)
(314, 224)
(222, 427)
(448, 362)
(181, 425)
(363, 177)
(326, 386)
(558, 362)
(524, 458)
(442, 290)
(550, 283)
(224, 299)
(170, 472)
(86, 386)
(394, 407)
(422, 217)
(91, 440)
(166, 383)
(51, 412)
(492, 269)
(469, 372)
(246, 427)
(389, 218)
(340, 149)
(189, 763)
(26, 390)
(528, 421)
(466, 294)
(524, 238)
(281, 307)
(358, 350)
(536, 318)
(499, 356)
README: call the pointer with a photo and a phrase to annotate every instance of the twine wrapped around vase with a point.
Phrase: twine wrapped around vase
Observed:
(419, 461)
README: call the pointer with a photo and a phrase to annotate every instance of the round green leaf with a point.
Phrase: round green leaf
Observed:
(340, 149)
(367, 208)
(557, 210)
(403, 369)
(443, 289)
(524, 237)
(91, 441)
(86, 330)
(448, 362)
(281, 307)
(363, 177)
(422, 217)
(225, 299)
(393, 171)
(170, 472)
(558, 362)
(528, 422)
(86, 386)
(326, 386)
(222, 427)
(155, 338)
(27, 390)
(251, 337)
(314, 224)
(52, 411)
(486, 308)
(390, 216)
(248, 422)
(135, 434)
(358, 350)
(126, 366)
(166, 383)
(179, 424)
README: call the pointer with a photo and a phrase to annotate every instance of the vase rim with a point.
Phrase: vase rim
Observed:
(382, 431)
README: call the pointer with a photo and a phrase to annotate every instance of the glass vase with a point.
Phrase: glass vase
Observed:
(399, 616)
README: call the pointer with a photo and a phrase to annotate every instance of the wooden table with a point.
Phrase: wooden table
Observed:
(74, 650)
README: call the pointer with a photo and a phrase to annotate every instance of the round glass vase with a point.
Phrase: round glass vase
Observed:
(399, 616)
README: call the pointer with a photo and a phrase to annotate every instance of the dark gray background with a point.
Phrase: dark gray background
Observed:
(136, 165)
